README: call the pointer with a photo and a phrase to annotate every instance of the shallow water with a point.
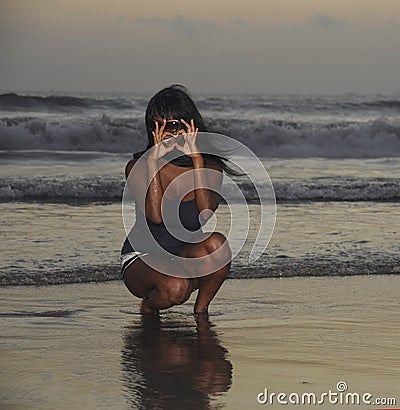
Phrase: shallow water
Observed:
(61, 218)
(74, 346)
(61, 243)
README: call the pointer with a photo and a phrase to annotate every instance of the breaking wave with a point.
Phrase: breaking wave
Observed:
(268, 138)
(109, 189)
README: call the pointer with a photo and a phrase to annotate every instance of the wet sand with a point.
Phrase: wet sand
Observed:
(86, 346)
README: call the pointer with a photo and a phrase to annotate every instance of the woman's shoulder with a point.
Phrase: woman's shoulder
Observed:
(139, 163)
(135, 157)
(129, 166)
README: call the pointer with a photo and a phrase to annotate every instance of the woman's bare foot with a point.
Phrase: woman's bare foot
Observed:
(145, 309)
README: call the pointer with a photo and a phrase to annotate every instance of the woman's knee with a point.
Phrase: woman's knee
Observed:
(217, 242)
(178, 290)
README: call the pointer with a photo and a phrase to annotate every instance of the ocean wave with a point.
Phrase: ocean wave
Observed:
(278, 103)
(268, 138)
(301, 104)
(110, 189)
(51, 103)
(60, 189)
(324, 190)
(378, 103)
(267, 267)
(100, 134)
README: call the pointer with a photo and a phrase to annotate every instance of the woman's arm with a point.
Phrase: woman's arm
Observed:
(154, 193)
(147, 180)
(139, 185)
(209, 181)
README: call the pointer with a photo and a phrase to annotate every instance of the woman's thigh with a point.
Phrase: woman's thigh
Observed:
(213, 244)
(160, 272)
(142, 277)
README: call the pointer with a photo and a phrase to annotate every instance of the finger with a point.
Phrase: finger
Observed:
(155, 137)
(186, 124)
(193, 128)
(163, 126)
(155, 132)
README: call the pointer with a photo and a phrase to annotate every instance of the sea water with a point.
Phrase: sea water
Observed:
(334, 162)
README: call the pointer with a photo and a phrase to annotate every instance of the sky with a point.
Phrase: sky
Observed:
(211, 46)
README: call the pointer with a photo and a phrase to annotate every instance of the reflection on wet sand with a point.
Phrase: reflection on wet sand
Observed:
(173, 364)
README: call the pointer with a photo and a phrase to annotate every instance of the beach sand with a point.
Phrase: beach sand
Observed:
(87, 346)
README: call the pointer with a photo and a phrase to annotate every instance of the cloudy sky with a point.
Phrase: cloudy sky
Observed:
(212, 46)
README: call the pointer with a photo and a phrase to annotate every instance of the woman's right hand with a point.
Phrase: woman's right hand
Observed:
(159, 149)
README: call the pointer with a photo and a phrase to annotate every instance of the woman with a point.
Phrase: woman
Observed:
(158, 179)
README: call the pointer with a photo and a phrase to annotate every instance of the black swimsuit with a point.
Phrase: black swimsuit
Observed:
(138, 239)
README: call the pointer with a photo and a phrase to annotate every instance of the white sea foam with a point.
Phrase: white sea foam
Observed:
(110, 189)
(379, 138)
(286, 127)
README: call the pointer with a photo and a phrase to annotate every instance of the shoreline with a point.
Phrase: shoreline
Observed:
(115, 278)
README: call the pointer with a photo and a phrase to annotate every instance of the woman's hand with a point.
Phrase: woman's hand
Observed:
(190, 144)
(159, 149)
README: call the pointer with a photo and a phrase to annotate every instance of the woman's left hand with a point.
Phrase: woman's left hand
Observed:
(190, 145)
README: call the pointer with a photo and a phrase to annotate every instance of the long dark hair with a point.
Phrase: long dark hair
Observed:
(175, 102)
